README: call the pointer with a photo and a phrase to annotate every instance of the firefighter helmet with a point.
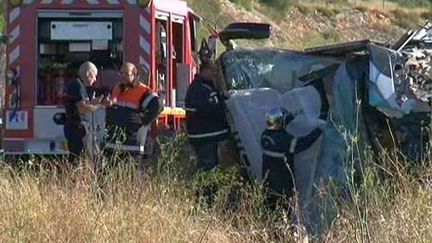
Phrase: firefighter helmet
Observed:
(277, 118)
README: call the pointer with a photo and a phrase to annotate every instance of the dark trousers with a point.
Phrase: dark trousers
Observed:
(278, 177)
(207, 155)
(79, 140)
(74, 134)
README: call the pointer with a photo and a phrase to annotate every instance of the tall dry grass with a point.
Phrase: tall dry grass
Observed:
(392, 202)
(126, 209)
(41, 204)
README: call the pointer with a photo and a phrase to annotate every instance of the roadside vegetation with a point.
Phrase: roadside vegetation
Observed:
(40, 202)
(331, 13)
(2, 21)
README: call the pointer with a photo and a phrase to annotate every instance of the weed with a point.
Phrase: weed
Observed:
(326, 11)
(303, 8)
(426, 14)
(404, 18)
(331, 35)
(246, 4)
(361, 8)
(392, 201)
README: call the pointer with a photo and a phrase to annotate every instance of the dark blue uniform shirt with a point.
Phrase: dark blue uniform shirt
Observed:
(75, 92)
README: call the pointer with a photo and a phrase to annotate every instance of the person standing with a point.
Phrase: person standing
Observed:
(135, 106)
(206, 123)
(78, 114)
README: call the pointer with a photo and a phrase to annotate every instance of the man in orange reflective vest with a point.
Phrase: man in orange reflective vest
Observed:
(135, 106)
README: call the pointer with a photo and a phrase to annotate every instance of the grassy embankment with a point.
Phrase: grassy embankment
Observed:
(392, 203)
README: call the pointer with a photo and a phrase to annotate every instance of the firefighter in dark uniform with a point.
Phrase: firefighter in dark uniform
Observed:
(279, 148)
(135, 106)
(78, 109)
(205, 116)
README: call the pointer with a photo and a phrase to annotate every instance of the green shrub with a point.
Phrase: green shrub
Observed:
(304, 9)
(2, 20)
(362, 9)
(414, 3)
(280, 5)
(405, 19)
(212, 11)
(327, 12)
(331, 35)
(426, 14)
(2, 24)
(246, 4)
(336, 11)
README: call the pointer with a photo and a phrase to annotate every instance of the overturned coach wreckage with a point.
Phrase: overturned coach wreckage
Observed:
(362, 94)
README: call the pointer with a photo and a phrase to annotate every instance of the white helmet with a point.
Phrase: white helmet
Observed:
(277, 118)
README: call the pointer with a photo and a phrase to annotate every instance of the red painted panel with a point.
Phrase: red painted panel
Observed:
(147, 36)
(172, 6)
(131, 38)
(27, 60)
(25, 63)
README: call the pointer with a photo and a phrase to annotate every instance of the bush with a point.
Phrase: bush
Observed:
(362, 9)
(2, 19)
(426, 14)
(213, 12)
(2, 24)
(414, 3)
(327, 12)
(304, 9)
(246, 4)
(281, 5)
(331, 35)
(405, 19)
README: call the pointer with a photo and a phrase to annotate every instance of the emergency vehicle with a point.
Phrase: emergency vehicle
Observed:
(49, 39)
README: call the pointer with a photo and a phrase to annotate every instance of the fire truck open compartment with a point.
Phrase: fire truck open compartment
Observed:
(50, 39)
(67, 39)
(172, 71)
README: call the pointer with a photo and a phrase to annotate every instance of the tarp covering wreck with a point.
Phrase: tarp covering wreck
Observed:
(360, 100)
(265, 79)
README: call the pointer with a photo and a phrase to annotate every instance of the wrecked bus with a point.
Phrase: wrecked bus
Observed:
(363, 94)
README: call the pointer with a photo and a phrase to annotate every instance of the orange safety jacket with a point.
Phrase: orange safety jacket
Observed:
(137, 97)
(127, 113)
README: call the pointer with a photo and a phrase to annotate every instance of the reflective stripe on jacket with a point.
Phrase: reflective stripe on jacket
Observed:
(132, 97)
(136, 107)
(205, 113)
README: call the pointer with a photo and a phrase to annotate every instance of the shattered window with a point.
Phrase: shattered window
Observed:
(247, 69)
(277, 69)
(381, 58)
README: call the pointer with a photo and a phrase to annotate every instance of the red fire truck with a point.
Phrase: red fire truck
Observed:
(49, 39)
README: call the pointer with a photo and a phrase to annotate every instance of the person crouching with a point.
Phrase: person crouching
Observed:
(279, 148)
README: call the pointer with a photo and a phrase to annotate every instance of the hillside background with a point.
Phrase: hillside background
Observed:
(303, 23)
(298, 24)
(49, 203)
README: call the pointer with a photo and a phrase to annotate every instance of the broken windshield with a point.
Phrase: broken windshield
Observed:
(277, 69)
